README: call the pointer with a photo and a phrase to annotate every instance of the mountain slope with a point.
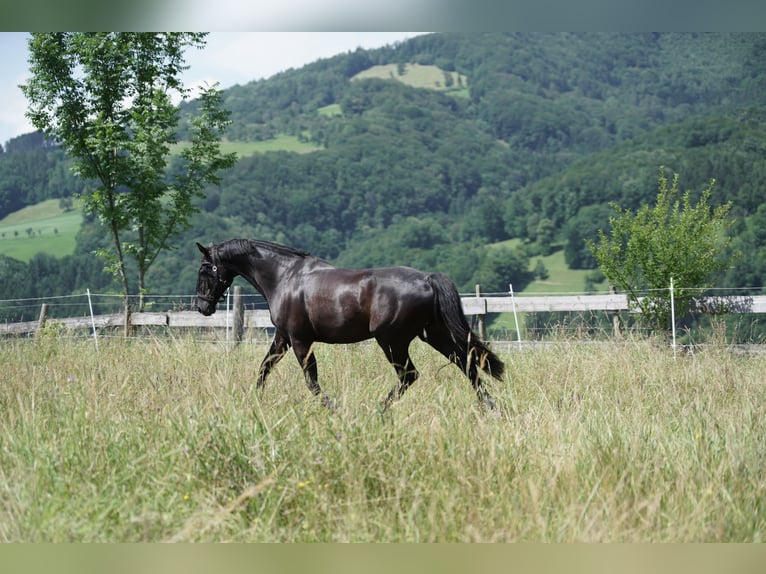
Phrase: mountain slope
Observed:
(538, 132)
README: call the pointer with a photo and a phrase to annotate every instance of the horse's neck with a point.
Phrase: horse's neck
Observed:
(267, 272)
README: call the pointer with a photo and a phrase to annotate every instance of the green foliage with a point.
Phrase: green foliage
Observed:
(14, 281)
(32, 171)
(580, 228)
(107, 98)
(675, 239)
(540, 271)
(545, 234)
(556, 126)
(50, 330)
(502, 267)
(749, 236)
(44, 276)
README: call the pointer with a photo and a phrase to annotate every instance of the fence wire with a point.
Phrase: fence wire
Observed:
(533, 328)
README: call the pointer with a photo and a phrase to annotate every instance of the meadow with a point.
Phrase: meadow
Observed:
(165, 439)
(281, 142)
(561, 280)
(419, 76)
(41, 228)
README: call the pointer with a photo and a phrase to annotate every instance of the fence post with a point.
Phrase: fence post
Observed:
(93, 319)
(615, 316)
(239, 314)
(515, 315)
(480, 318)
(43, 315)
(673, 316)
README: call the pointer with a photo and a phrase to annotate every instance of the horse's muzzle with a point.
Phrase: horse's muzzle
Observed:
(205, 308)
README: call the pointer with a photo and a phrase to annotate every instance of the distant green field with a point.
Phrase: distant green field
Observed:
(561, 280)
(281, 142)
(44, 227)
(419, 76)
(330, 110)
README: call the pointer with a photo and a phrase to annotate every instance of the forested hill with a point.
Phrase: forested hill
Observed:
(432, 150)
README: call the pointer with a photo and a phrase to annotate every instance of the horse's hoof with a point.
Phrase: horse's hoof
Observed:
(329, 403)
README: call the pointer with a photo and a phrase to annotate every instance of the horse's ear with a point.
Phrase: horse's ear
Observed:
(203, 249)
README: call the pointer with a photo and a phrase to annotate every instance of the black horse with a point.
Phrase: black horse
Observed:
(312, 301)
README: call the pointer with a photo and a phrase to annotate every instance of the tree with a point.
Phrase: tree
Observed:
(545, 233)
(107, 99)
(501, 267)
(578, 229)
(674, 239)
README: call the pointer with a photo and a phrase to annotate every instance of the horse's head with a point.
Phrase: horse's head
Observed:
(212, 282)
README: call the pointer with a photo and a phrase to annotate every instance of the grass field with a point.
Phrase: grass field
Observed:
(561, 280)
(53, 230)
(282, 142)
(330, 110)
(419, 76)
(593, 443)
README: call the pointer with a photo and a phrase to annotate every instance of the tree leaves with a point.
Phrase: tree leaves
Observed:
(107, 98)
(676, 238)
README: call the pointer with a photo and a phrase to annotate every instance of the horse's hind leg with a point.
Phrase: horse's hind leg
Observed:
(277, 350)
(305, 355)
(464, 356)
(406, 372)
(485, 399)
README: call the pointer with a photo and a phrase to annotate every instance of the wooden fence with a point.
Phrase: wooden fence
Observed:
(239, 319)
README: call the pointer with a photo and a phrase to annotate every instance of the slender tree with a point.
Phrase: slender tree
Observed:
(107, 98)
(676, 239)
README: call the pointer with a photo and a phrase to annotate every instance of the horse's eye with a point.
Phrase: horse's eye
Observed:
(215, 268)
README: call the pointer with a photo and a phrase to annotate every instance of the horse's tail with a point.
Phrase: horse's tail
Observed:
(465, 347)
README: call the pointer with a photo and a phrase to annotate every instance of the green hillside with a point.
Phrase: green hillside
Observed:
(41, 228)
(546, 131)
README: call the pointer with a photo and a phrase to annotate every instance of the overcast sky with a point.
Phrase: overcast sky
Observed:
(229, 58)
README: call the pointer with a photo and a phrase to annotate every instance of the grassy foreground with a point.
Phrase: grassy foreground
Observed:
(166, 440)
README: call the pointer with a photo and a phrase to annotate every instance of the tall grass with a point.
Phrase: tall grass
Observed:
(167, 440)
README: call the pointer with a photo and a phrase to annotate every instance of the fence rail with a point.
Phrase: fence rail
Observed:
(240, 319)
(258, 318)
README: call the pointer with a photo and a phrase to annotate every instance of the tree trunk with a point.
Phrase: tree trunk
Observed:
(123, 276)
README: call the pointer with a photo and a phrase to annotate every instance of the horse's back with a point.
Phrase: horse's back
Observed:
(402, 298)
(347, 305)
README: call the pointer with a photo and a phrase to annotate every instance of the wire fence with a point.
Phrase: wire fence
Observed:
(102, 314)
(720, 315)
(504, 318)
(77, 305)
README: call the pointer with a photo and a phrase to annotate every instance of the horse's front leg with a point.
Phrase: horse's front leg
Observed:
(277, 350)
(304, 352)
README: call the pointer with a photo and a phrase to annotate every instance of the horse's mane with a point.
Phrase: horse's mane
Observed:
(235, 247)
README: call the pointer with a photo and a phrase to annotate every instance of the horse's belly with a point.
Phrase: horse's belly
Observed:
(342, 320)
(346, 331)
